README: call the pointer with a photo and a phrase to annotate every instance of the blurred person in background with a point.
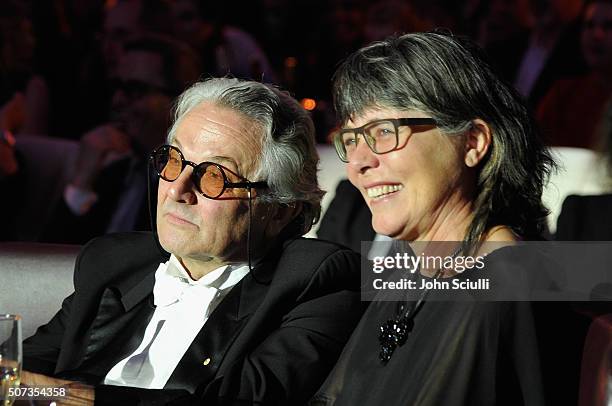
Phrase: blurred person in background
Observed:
(24, 104)
(501, 28)
(589, 217)
(339, 31)
(224, 49)
(21, 85)
(434, 14)
(108, 187)
(500, 20)
(533, 59)
(553, 49)
(11, 183)
(79, 45)
(125, 20)
(388, 17)
(573, 108)
(68, 58)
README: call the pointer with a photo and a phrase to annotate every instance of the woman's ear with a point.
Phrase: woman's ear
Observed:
(477, 142)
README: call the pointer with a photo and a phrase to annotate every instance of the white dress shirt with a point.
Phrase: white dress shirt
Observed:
(182, 308)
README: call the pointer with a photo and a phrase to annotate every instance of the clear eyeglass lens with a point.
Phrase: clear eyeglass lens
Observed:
(349, 140)
(381, 136)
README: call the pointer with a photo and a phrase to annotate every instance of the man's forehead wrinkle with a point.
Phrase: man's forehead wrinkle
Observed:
(216, 140)
(222, 159)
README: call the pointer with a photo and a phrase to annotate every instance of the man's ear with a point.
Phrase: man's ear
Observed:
(477, 142)
(280, 215)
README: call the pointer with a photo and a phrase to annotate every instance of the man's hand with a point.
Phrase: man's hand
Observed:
(95, 147)
(77, 394)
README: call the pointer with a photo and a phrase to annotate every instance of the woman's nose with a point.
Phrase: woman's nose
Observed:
(362, 157)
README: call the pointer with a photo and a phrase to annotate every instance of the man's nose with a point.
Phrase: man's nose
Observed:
(182, 188)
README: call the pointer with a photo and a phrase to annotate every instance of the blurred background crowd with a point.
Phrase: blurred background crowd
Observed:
(91, 82)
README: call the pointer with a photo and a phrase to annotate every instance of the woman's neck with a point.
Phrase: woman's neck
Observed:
(450, 223)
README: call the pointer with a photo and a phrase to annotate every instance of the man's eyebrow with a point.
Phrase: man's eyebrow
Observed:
(214, 158)
(226, 159)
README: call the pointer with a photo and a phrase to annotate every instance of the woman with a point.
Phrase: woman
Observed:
(450, 154)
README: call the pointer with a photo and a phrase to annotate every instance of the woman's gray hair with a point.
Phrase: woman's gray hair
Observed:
(289, 159)
(447, 78)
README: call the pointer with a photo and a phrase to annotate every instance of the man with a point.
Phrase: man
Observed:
(125, 20)
(107, 190)
(241, 312)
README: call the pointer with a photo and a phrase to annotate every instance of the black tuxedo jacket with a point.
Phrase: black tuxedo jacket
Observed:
(585, 218)
(347, 220)
(266, 343)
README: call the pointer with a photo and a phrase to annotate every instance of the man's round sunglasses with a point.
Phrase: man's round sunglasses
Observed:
(209, 178)
(382, 136)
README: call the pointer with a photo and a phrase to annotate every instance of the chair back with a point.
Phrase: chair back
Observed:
(35, 279)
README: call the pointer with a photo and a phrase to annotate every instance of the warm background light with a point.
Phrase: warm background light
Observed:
(308, 104)
(290, 62)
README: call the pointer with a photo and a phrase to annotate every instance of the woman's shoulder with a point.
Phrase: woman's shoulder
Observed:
(519, 270)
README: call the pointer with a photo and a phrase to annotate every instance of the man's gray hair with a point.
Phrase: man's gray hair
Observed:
(289, 159)
(446, 78)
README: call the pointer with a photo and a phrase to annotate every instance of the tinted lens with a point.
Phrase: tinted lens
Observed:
(168, 163)
(212, 180)
(381, 136)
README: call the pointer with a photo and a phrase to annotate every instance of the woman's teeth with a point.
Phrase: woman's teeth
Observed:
(383, 190)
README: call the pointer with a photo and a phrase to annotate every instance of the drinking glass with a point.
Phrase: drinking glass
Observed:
(10, 357)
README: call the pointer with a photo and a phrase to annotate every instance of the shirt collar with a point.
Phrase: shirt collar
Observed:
(171, 280)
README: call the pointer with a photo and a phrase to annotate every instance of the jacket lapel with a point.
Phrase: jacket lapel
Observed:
(202, 360)
(126, 308)
(118, 326)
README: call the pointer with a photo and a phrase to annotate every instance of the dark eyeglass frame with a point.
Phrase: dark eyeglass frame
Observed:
(397, 122)
(200, 169)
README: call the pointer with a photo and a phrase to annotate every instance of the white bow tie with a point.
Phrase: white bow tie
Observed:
(172, 282)
(172, 285)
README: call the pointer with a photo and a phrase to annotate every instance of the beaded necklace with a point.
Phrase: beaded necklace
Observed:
(394, 332)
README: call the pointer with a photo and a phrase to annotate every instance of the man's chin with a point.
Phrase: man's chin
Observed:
(171, 240)
(167, 245)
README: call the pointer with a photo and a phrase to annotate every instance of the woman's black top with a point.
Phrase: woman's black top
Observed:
(472, 351)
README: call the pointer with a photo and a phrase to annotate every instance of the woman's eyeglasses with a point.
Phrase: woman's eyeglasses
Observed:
(210, 178)
(382, 136)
